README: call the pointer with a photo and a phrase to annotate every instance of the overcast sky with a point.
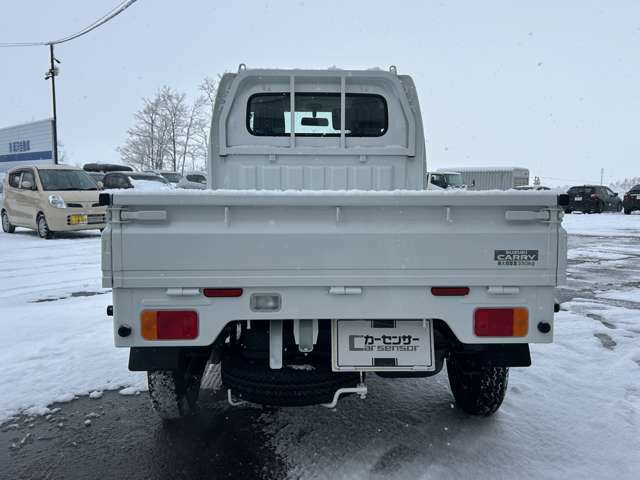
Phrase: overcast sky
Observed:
(552, 88)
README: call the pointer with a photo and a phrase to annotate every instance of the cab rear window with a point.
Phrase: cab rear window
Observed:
(316, 115)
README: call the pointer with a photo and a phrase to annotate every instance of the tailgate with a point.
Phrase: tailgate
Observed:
(258, 239)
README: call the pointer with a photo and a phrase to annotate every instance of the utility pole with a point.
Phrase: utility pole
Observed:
(601, 176)
(51, 74)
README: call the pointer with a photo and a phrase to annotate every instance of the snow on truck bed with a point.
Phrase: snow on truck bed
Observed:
(574, 414)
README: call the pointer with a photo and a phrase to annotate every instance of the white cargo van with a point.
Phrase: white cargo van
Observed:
(317, 257)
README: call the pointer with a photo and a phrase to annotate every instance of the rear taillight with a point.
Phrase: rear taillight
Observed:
(169, 324)
(594, 196)
(627, 195)
(450, 291)
(501, 322)
(222, 292)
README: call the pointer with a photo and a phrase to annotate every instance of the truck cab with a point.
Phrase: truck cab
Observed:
(317, 256)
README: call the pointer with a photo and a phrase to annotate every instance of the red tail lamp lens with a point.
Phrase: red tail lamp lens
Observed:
(169, 324)
(450, 291)
(222, 292)
(501, 322)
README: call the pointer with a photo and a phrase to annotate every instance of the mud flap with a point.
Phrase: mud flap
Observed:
(474, 357)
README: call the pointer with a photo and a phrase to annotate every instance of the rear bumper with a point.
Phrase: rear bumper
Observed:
(583, 206)
(317, 303)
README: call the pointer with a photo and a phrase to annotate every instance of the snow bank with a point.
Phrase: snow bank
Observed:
(57, 341)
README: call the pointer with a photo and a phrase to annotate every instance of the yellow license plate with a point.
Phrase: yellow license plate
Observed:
(77, 219)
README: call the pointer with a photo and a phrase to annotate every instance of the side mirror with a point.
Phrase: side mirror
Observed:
(615, 194)
(100, 185)
(27, 185)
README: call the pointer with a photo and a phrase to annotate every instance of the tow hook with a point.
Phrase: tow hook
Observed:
(361, 390)
(232, 402)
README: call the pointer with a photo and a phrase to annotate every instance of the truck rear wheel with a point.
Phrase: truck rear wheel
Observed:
(479, 391)
(292, 385)
(174, 394)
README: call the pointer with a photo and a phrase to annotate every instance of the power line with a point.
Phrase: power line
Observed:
(114, 12)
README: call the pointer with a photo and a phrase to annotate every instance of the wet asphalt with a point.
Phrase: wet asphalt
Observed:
(124, 439)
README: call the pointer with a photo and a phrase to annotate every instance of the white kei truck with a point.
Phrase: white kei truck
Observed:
(317, 256)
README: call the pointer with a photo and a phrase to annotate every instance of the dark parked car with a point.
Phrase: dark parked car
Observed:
(631, 200)
(137, 180)
(593, 199)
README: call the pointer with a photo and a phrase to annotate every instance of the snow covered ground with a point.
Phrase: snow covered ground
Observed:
(574, 414)
(56, 341)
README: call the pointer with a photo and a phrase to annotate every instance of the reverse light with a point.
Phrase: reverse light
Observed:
(265, 302)
(450, 291)
(56, 201)
(501, 322)
(222, 292)
(169, 324)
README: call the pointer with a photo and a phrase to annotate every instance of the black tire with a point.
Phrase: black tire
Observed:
(619, 207)
(42, 227)
(173, 394)
(256, 382)
(627, 211)
(7, 227)
(478, 392)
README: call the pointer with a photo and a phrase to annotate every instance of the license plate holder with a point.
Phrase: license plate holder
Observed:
(77, 219)
(577, 199)
(382, 345)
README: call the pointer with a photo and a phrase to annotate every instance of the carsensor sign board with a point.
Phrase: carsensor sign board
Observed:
(28, 143)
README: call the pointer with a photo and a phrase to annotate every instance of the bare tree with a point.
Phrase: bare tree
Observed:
(147, 140)
(195, 122)
(174, 109)
(209, 88)
(169, 132)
